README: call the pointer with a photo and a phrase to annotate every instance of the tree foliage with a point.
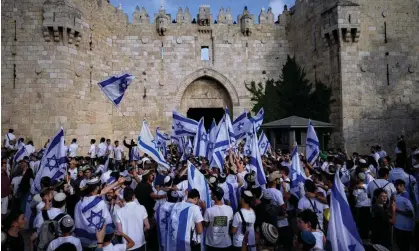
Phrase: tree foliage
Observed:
(292, 94)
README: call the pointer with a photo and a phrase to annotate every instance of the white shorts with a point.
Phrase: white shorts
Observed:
(4, 204)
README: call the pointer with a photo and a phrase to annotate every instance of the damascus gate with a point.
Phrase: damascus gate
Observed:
(54, 52)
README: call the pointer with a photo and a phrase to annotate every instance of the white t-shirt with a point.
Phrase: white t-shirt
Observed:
(34, 165)
(277, 200)
(402, 222)
(160, 201)
(219, 218)
(109, 149)
(361, 196)
(72, 150)
(315, 205)
(182, 186)
(52, 213)
(60, 240)
(118, 152)
(319, 239)
(8, 137)
(73, 173)
(250, 218)
(15, 182)
(92, 151)
(29, 149)
(132, 217)
(381, 183)
(117, 247)
(101, 149)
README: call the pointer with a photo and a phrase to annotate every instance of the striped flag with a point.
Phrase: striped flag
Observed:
(312, 144)
(114, 87)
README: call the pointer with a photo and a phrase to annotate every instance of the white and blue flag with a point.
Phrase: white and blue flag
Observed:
(247, 149)
(201, 140)
(212, 137)
(264, 144)
(221, 146)
(298, 176)
(255, 162)
(342, 233)
(196, 180)
(162, 216)
(257, 120)
(312, 144)
(230, 129)
(148, 145)
(241, 126)
(114, 87)
(162, 138)
(19, 155)
(184, 126)
(180, 225)
(53, 163)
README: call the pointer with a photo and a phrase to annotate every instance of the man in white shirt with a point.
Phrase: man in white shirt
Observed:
(399, 173)
(107, 244)
(110, 154)
(34, 163)
(101, 148)
(309, 201)
(118, 154)
(92, 152)
(72, 149)
(381, 182)
(132, 220)
(58, 207)
(405, 223)
(66, 227)
(217, 220)
(9, 140)
(29, 147)
(243, 220)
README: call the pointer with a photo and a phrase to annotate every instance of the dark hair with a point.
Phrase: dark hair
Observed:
(286, 170)
(25, 184)
(30, 142)
(45, 192)
(309, 186)
(257, 192)
(382, 172)
(246, 198)
(193, 194)
(92, 141)
(11, 130)
(58, 204)
(45, 181)
(108, 237)
(102, 140)
(10, 218)
(116, 141)
(108, 140)
(74, 140)
(378, 191)
(371, 161)
(128, 194)
(308, 216)
(399, 182)
(66, 246)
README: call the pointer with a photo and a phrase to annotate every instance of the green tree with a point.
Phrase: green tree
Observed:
(292, 94)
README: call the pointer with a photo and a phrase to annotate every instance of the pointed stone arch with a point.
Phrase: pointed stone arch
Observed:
(206, 72)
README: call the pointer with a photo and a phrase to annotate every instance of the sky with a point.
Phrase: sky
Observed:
(236, 6)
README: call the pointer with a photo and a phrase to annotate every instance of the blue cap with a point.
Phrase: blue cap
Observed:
(109, 230)
(308, 237)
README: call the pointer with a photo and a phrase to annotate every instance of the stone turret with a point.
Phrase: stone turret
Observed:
(284, 17)
(162, 22)
(270, 18)
(140, 16)
(204, 15)
(62, 19)
(228, 17)
(263, 16)
(183, 17)
(221, 16)
(246, 22)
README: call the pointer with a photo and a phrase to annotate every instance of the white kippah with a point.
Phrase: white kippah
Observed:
(362, 161)
(59, 197)
(167, 179)
(93, 181)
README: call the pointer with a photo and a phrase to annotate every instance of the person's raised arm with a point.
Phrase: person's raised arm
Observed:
(106, 189)
(125, 143)
(130, 242)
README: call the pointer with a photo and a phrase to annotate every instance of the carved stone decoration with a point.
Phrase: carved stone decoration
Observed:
(65, 23)
(179, 40)
(162, 21)
(263, 40)
(144, 40)
(204, 15)
(246, 22)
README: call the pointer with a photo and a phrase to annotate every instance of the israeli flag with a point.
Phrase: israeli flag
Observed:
(264, 144)
(201, 140)
(342, 233)
(212, 137)
(114, 87)
(230, 129)
(247, 149)
(181, 221)
(162, 216)
(312, 144)
(298, 176)
(196, 180)
(162, 138)
(221, 145)
(53, 163)
(19, 155)
(241, 126)
(184, 126)
(148, 145)
(255, 162)
(257, 120)
(90, 214)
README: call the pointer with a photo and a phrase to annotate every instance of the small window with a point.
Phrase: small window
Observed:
(205, 53)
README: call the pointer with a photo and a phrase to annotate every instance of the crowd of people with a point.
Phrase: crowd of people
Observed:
(142, 204)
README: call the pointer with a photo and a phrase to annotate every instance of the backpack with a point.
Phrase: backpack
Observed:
(48, 230)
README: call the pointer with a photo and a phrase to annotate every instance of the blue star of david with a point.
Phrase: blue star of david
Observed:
(172, 231)
(263, 145)
(52, 163)
(123, 85)
(240, 126)
(155, 143)
(204, 137)
(248, 152)
(250, 134)
(165, 219)
(99, 223)
(179, 125)
(210, 146)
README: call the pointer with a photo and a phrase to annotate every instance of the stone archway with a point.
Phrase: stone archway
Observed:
(207, 74)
